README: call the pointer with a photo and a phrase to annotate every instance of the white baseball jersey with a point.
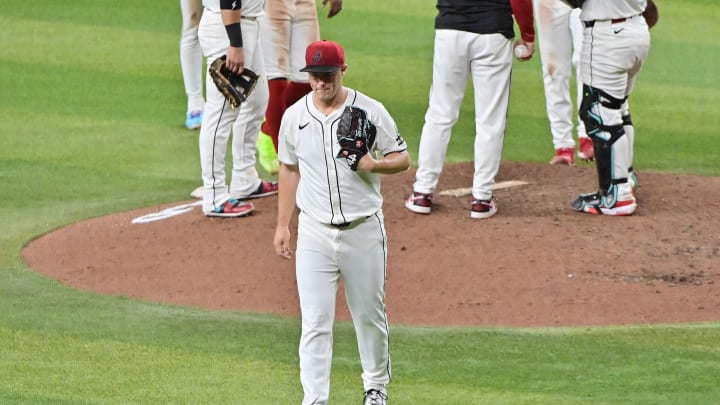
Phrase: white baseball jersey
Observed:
(609, 9)
(250, 8)
(329, 191)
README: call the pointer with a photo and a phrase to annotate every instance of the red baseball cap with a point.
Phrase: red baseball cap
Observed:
(324, 57)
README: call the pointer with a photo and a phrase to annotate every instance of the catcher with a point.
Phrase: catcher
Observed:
(615, 47)
(329, 143)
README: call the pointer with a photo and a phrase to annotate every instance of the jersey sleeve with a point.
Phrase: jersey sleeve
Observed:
(523, 12)
(286, 138)
(388, 138)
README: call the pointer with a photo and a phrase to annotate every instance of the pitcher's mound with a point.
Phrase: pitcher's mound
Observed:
(536, 263)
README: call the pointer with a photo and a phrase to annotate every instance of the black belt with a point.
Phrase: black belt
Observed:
(589, 24)
(346, 224)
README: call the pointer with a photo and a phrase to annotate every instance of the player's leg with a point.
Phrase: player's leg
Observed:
(317, 281)
(363, 265)
(275, 40)
(555, 42)
(217, 119)
(642, 49)
(602, 115)
(305, 30)
(621, 49)
(274, 31)
(449, 78)
(246, 182)
(585, 145)
(630, 135)
(491, 67)
(191, 61)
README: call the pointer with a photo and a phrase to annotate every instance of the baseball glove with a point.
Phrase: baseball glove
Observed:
(651, 14)
(235, 87)
(355, 134)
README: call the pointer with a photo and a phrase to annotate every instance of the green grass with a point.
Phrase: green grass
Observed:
(93, 111)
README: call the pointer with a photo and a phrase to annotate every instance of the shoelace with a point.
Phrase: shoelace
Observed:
(375, 397)
(421, 197)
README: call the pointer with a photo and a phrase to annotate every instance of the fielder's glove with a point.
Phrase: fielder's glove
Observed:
(235, 87)
(355, 134)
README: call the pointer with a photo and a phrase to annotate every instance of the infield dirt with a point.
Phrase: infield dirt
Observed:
(536, 263)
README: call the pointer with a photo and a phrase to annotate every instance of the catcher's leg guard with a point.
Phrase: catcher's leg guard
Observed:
(630, 134)
(601, 114)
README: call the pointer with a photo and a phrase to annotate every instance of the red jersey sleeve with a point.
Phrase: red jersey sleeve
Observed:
(523, 12)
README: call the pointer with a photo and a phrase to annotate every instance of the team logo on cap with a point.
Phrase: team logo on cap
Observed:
(317, 57)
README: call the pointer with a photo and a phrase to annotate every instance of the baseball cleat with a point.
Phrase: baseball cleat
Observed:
(374, 397)
(563, 156)
(586, 150)
(194, 119)
(480, 209)
(266, 188)
(231, 208)
(597, 204)
(419, 203)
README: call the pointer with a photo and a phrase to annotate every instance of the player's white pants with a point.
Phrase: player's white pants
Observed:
(488, 59)
(612, 57)
(560, 36)
(191, 57)
(358, 254)
(286, 30)
(219, 118)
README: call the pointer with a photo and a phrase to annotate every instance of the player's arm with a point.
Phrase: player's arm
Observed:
(288, 180)
(230, 13)
(393, 162)
(335, 7)
(523, 13)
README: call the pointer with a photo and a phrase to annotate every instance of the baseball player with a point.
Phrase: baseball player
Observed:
(616, 42)
(226, 27)
(472, 38)
(286, 30)
(560, 39)
(191, 61)
(341, 231)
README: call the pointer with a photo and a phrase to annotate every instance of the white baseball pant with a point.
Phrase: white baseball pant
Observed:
(358, 254)
(612, 57)
(191, 57)
(286, 30)
(488, 59)
(219, 117)
(559, 32)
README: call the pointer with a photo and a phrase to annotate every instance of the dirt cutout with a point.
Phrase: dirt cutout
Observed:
(536, 263)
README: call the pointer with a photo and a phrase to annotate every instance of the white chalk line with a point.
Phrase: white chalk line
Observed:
(459, 192)
(166, 213)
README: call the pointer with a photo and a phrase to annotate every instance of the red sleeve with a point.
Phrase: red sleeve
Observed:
(523, 12)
